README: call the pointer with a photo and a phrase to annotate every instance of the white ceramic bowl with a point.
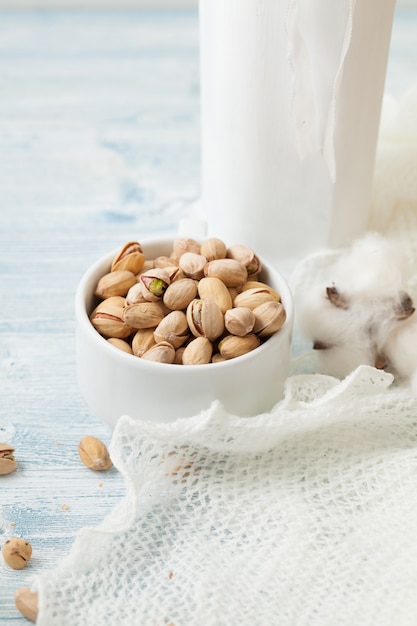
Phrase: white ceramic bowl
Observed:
(115, 383)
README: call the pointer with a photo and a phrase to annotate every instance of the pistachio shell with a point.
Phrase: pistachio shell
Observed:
(214, 289)
(115, 283)
(185, 244)
(26, 602)
(17, 552)
(165, 261)
(142, 341)
(143, 314)
(232, 346)
(107, 318)
(136, 294)
(205, 319)
(178, 355)
(94, 454)
(270, 317)
(239, 321)
(256, 284)
(7, 460)
(192, 265)
(230, 271)
(7, 465)
(213, 248)
(120, 344)
(162, 352)
(180, 293)
(197, 352)
(246, 256)
(154, 283)
(251, 298)
(130, 257)
(173, 328)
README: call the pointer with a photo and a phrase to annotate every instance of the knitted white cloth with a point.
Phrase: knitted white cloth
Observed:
(306, 515)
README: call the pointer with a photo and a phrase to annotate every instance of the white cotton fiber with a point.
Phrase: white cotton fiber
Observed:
(356, 310)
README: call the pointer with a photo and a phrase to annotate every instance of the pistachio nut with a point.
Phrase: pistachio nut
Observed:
(162, 352)
(173, 328)
(164, 261)
(230, 271)
(148, 265)
(197, 352)
(154, 283)
(17, 552)
(142, 341)
(26, 602)
(239, 321)
(205, 319)
(107, 318)
(130, 257)
(232, 346)
(115, 283)
(192, 265)
(143, 314)
(180, 293)
(94, 454)
(214, 289)
(185, 244)
(136, 294)
(213, 248)
(246, 256)
(121, 344)
(269, 318)
(178, 355)
(251, 298)
(7, 460)
(256, 284)
(218, 358)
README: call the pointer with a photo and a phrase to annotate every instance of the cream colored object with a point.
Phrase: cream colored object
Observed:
(305, 515)
(291, 98)
(114, 383)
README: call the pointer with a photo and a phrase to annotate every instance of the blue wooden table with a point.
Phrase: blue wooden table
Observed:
(99, 144)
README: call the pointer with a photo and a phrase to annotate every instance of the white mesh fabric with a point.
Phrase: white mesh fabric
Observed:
(306, 515)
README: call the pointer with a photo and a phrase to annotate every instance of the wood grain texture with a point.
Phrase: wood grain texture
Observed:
(99, 143)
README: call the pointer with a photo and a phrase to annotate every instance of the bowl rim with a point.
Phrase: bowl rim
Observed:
(82, 318)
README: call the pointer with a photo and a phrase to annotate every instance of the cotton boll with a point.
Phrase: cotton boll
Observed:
(356, 303)
(372, 267)
(343, 358)
(400, 348)
(318, 318)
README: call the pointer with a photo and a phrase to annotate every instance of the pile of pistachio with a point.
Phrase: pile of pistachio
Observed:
(204, 303)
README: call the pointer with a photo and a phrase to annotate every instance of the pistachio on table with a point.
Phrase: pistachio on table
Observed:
(7, 460)
(26, 602)
(17, 552)
(200, 303)
(94, 454)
